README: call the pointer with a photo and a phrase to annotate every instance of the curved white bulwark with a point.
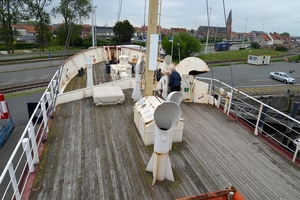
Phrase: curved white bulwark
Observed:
(192, 90)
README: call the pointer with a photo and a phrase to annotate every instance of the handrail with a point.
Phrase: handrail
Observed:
(48, 97)
(234, 105)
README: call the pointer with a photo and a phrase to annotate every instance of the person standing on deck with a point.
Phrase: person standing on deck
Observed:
(174, 80)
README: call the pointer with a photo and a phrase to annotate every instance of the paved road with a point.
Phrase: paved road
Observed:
(26, 65)
(245, 75)
(28, 72)
(35, 54)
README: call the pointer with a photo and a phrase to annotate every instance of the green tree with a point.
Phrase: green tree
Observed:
(187, 43)
(74, 36)
(123, 31)
(11, 12)
(285, 33)
(255, 45)
(73, 11)
(42, 28)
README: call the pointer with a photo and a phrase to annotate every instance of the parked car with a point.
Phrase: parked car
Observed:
(282, 76)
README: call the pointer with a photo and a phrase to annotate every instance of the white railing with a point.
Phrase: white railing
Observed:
(25, 155)
(275, 127)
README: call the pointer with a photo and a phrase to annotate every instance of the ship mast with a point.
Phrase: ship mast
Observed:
(152, 29)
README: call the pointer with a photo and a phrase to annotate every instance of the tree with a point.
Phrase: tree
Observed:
(187, 43)
(11, 12)
(37, 11)
(73, 11)
(285, 33)
(74, 36)
(123, 31)
(255, 45)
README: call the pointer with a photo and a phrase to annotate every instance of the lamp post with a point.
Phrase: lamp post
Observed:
(95, 28)
(244, 33)
(208, 20)
(93, 32)
(195, 27)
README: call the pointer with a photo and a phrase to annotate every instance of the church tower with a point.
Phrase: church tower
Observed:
(229, 25)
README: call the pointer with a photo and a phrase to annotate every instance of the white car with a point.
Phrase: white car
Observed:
(282, 76)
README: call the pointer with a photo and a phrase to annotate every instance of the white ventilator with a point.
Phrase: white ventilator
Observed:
(166, 116)
(136, 93)
(175, 97)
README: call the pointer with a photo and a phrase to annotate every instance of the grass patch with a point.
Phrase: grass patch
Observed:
(239, 54)
(25, 92)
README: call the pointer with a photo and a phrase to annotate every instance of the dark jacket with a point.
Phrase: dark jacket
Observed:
(175, 79)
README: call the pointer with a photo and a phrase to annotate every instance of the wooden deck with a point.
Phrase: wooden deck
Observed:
(97, 153)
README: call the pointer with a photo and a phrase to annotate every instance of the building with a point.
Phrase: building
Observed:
(263, 40)
(214, 31)
(24, 29)
(86, 31)
(272, 40)
(104, 32)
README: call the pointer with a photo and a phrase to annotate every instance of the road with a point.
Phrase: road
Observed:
(29, 72)
(245, 75)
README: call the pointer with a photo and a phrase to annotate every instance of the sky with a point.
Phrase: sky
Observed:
(259, 15)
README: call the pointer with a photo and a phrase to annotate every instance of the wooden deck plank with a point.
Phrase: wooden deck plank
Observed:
(97, 153)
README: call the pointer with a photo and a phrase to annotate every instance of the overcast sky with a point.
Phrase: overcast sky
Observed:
(260, 15)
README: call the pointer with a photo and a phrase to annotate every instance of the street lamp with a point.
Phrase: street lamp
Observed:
(208, 20)
(244, 33)
(195, 27)
(95, 28)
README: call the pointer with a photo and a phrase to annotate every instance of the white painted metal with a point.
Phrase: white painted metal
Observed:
(191, 64)
(136, 93)
(89, 72)
(221, 91)
(162, 87)
(227, 103)
(153, 52)
(187, 86)
(258, 117)
(123, 70)
(144, 120)
(26, 148)
(175, 97)
(296, 152)
(229, 94)
(166, 116)
(45, 116)
(13, 180)
(31, 135)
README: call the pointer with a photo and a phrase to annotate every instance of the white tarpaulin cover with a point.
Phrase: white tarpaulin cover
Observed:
(108, 95)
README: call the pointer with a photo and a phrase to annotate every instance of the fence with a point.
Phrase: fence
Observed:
(276, 128)
(21, 163)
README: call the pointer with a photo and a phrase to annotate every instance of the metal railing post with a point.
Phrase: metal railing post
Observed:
(32, 137)
(26, 148)
(258, 118)
(14, 182)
